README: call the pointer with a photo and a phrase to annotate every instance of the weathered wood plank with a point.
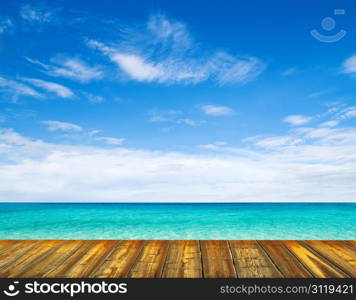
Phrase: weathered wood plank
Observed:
(150, 261)
(67, 264)
(251, 261)
(352, 243)
(92, 259)
(121, 260)
(318, 266)
(29, 258)
(65, 250)
(13, 254)
(338, 253)
(183, 260)
(217, 259)
(6, 245)
(177, 259)
(287, 263)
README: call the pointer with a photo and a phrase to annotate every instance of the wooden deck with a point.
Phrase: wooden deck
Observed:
(177, 259)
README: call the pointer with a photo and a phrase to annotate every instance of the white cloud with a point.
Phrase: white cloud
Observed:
(111, 140)
(321, 170)
(53, 87)
(163, 51)
(214, 110)
(279, 141)
(171, 116)
(34, 14)
(289, 71)
(332, 123)
(14, 89)
(297, 120)
(349, 65)
(94, 98)
(5, 24)
(70, 67)
(61, 126)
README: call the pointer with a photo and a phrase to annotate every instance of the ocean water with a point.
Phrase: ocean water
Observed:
(178, 221)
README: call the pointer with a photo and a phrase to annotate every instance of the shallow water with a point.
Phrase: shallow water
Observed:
(178, 221)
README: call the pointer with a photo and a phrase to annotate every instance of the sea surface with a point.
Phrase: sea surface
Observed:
(178, 221)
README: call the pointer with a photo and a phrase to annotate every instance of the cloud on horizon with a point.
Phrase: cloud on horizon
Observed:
(307, 164)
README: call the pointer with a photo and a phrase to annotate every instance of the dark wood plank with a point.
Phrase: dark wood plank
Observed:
(121, 260)
(183, 260)
(217, 260)
(318, 266)
(29, 258)
(287, 263)
(151, 260)
(50, 262)
(251, 261)
(338, 253)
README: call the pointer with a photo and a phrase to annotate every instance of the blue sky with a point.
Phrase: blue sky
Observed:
(176, 101)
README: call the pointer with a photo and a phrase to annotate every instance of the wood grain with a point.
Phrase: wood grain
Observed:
(251, 260)
(151, 260)
(121, 259)
(286, 262)
(183, 260)
(336, 252)
(315, 263)
(217, 259)
(176, 259)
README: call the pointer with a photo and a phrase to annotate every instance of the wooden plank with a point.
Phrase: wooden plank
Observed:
(251, 261)
(53, 260)
(29, 258)
(318, 266)
(217, 260)
(151, 260)
(183, 260)
(67, 264)
(118, 264)
(338, 253)
(287, 263)
(92, 259)
(352, 243)
(6, 245)
(13, 254)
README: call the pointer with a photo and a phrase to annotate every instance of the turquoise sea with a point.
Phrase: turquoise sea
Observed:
(177, 221)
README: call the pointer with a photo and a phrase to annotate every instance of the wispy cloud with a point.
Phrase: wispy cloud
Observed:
(111, 140)
(297, 120)
(58, 89)
(61, 126)
(14, 89)
(5, 24)
(163, 51)
(172, 116)
(70, 67)
(36, 14)
(289, 72)
(349, 65)
(93, 98)
(214, 110)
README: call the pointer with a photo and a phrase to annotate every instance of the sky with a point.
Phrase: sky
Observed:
(174, 101)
